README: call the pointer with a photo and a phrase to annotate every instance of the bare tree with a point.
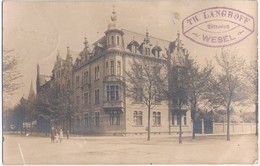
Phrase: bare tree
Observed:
(251, 75)
(228, 87)
(198, 79)
(10, 74)
(143, 84)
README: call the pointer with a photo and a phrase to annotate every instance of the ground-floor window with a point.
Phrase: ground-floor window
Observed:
(176, 118)
(96, 118)
(138, 118)
(86, 120)
(114, 117)
(156, 118)
(78, 123)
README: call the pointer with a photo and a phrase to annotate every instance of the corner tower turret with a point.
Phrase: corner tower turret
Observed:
(114, 35)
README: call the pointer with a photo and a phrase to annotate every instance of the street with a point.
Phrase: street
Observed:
(130, 150)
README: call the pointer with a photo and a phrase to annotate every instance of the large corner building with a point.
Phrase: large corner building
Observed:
(96, 85)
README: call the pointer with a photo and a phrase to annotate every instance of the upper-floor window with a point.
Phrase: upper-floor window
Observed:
(112, 68)
(138, 97)
(96, 72)
(134, 49)
(118, 68)
(112, 40)
(108, 41)
(156, 118)
(77, 101)
(117, 40)
(86, 99)
(97, 96)
(112, 93)
(107, 69)
(85, 77)
(77, 81)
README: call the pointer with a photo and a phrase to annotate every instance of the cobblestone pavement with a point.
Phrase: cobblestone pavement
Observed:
(129, 150)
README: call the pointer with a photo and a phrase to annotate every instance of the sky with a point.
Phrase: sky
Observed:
(37, 30)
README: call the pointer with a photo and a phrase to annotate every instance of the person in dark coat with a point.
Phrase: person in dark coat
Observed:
(52, 134)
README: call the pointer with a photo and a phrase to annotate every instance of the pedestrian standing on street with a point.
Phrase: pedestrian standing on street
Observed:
(56, 136)
(61, 135)
(52, 134)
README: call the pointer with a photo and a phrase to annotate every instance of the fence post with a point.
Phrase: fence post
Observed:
(202, 126)
(223, 127)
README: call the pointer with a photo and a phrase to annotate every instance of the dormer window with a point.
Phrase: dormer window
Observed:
(156, 51)
(133, 49)
(133, 46)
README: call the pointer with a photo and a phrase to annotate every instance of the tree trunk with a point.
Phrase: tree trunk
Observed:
(256, 117)
(149, 123)
(193, 117)
(228, 123)
(180, 126)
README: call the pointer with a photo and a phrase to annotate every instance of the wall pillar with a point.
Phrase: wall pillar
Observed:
(202, 126)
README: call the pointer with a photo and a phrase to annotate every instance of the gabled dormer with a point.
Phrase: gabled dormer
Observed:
(133, 46)
(156, 51)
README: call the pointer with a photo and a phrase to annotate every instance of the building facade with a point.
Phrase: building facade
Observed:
(97, 84)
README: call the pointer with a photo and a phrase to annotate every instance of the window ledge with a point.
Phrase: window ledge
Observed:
(156, 125)
(137, 126)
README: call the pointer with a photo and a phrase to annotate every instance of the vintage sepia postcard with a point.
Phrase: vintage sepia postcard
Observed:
(130, 82)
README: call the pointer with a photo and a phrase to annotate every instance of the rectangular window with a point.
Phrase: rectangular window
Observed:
(97, 96)
(112, 68)
(138, 94)
(77, 81)
(185, 118)
(113, 93)
(85, 77)
(156, 118)
(118, 68)
(138, 118)
(77, 101)
(133, 48)
(117, 40)
(178, 119)
(86, 120)
(97, 73)
(112, 40)
(78, 122)
(96, 118)
(107, 69)
(86, 99)
(173, 118)
(114, 118)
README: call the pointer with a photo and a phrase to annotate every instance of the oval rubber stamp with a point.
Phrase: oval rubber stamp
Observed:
(218, 26)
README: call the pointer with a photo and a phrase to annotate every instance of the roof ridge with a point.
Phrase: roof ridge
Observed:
(144, 35)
